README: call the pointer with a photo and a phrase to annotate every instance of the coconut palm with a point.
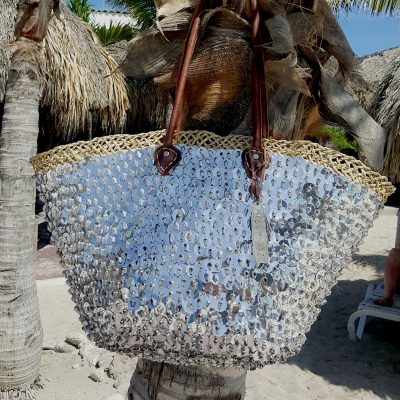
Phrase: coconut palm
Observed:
(77, 101)
(107, 34)
(34, 77)
(21, 338)
(302, 96)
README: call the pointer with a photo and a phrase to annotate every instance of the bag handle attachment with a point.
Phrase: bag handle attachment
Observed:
(254, 159)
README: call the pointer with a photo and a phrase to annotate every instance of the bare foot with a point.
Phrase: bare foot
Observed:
(384, 302)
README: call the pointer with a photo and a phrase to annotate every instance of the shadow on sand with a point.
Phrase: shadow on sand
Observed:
(344, 363)
(373, 260)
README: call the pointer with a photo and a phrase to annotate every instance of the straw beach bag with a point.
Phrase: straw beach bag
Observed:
(213, 251)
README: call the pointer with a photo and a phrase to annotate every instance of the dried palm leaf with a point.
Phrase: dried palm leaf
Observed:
(296, 45)
(85, 88)
(386, 110)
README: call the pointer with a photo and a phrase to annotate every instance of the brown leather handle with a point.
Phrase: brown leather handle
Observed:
(254, 159)
(167, 155)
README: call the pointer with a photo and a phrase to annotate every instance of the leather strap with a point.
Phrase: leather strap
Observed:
(167, 155)
(255, 159)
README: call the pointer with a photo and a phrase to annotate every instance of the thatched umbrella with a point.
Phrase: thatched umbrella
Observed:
(85, 92)
(85, 89)
(368, 73)
(386, 110)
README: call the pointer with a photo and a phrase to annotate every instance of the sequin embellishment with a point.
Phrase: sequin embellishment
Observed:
(162, 267)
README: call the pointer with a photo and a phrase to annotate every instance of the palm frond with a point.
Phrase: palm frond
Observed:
(388, 7)
(114, 33)
(144, 11)
(81, 8)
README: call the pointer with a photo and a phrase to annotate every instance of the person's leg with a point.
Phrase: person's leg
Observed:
(397, 241)
(392, 270)
(392, 277)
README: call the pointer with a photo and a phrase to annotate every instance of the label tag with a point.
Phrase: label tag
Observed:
(259, 233)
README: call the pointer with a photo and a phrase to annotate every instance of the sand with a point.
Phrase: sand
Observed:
(328, 367)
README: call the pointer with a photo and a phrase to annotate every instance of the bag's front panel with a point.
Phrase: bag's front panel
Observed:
(163, 266)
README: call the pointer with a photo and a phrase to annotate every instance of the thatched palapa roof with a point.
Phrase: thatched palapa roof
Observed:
(84, 91)
(84, 77)
(368, 73)
(386, 110)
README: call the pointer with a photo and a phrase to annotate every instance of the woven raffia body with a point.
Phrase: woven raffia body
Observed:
(163, 267)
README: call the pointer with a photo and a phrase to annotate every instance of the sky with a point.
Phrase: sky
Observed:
(365, 33)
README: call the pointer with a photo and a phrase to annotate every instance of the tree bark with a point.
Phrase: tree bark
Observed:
(341, 107)
(161, 381)
(20, 327)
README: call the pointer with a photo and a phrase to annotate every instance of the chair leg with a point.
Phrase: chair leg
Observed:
(360, 327)
(363, 317)
(351, 328)
(351, 325)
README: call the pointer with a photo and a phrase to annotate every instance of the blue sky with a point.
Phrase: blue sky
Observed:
(368, 34)
(365, 33)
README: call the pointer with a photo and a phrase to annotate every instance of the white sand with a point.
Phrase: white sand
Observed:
(329, 366)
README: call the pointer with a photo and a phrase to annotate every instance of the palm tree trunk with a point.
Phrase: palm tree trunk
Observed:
(162, 381)
(341, 107)
(20, 327)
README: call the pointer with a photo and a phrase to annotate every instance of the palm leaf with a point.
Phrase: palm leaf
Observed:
(81, 8)
(114, 33)
(389, 7)
(144, 11)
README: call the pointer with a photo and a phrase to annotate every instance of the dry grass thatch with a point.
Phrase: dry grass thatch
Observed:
(298, 39)
(84, 91)
(369, 73)
(386, 110)
(296, 45)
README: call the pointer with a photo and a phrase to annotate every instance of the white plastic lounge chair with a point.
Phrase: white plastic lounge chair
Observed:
(368, 308)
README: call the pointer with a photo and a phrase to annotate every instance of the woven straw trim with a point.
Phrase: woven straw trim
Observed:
(106, 145)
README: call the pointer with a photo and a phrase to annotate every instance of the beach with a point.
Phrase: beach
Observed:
(330, 366)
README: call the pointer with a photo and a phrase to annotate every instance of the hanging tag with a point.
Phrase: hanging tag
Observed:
(259, 233)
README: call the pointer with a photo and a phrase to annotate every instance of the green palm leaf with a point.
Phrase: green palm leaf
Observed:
(388, 7)
(81, 8)
(144, 11)
(114, 33)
